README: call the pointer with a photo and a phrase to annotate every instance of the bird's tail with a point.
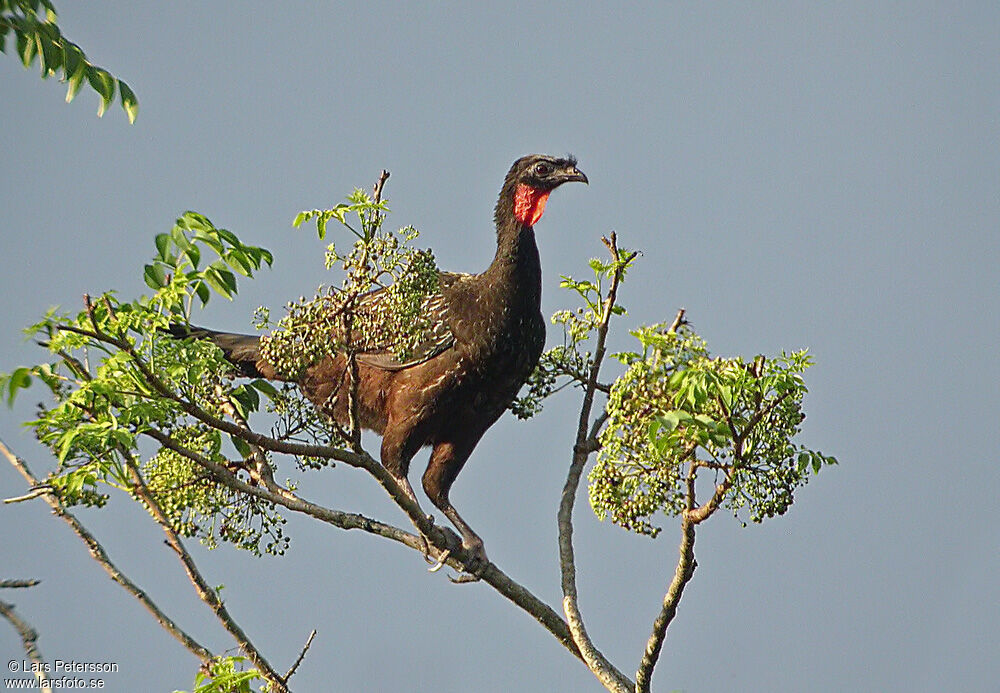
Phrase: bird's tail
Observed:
(241, 350)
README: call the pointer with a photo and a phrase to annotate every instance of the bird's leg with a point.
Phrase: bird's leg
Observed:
(397, 462)
(445, 463)
(471, 541)
(425, 547)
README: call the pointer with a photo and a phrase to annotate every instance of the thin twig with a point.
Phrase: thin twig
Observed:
(301, 656)
(18, 584)
(29, 640)
(678, 321)
(379, 184)
(35, 492)
(98, 553)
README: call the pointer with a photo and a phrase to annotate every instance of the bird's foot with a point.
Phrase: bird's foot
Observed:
(476, 563)
(450, 540)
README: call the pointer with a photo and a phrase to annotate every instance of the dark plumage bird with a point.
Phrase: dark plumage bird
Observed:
(487, 333)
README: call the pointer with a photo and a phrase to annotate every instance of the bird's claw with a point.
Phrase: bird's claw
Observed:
(440, 562)
(425, 549)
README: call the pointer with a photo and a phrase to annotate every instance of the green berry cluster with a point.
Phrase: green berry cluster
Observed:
(198, 505)
(380, 305)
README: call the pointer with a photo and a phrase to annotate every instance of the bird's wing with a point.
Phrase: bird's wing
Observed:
(435, 337)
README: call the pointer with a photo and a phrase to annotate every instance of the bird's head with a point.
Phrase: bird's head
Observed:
(530, 181)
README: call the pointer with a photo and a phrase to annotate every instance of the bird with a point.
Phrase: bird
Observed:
(486, 336)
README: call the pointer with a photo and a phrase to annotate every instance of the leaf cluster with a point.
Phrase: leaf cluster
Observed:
(37, 36)
(176, 273)
(677, 411)
(226, 675)
(116, 376)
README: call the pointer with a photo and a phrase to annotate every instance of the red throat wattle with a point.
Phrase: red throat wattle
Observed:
(529, 203)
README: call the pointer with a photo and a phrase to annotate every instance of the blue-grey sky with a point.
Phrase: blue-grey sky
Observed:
(797, 175)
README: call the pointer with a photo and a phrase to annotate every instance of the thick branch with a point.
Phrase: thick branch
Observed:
(607, 674)
(98, 554)
(703, 512)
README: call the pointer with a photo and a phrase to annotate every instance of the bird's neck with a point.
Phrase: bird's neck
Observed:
(516, 266)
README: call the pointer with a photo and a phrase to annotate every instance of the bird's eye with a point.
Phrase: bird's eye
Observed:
(542, 169)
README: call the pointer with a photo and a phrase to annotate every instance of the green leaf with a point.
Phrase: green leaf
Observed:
(267, 388)
(241, 446)
(670, 420)
(26, 47)
(67, 442)
(246, 400)
(654, 426)
(230, 238)
(214, 279)
(155, 276)
(75, 80)
(18, 380)
(803, 461)
(229, 279)
(130, 104)
(162, 241)
(195, 222)
(73, 59)
(203, 292)
(239, 261)
(194, 255)
(51, 56)
(705, 420)
(726, 396)
(104, 84)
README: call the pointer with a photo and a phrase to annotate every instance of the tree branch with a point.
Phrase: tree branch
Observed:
(607, 674)
(491, 574)
(29, 639)
(98, 553)
(682, 575)
(692, 515)
(205, 592)
(301, 656)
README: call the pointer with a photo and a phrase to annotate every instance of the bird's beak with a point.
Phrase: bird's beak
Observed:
(573, 174)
